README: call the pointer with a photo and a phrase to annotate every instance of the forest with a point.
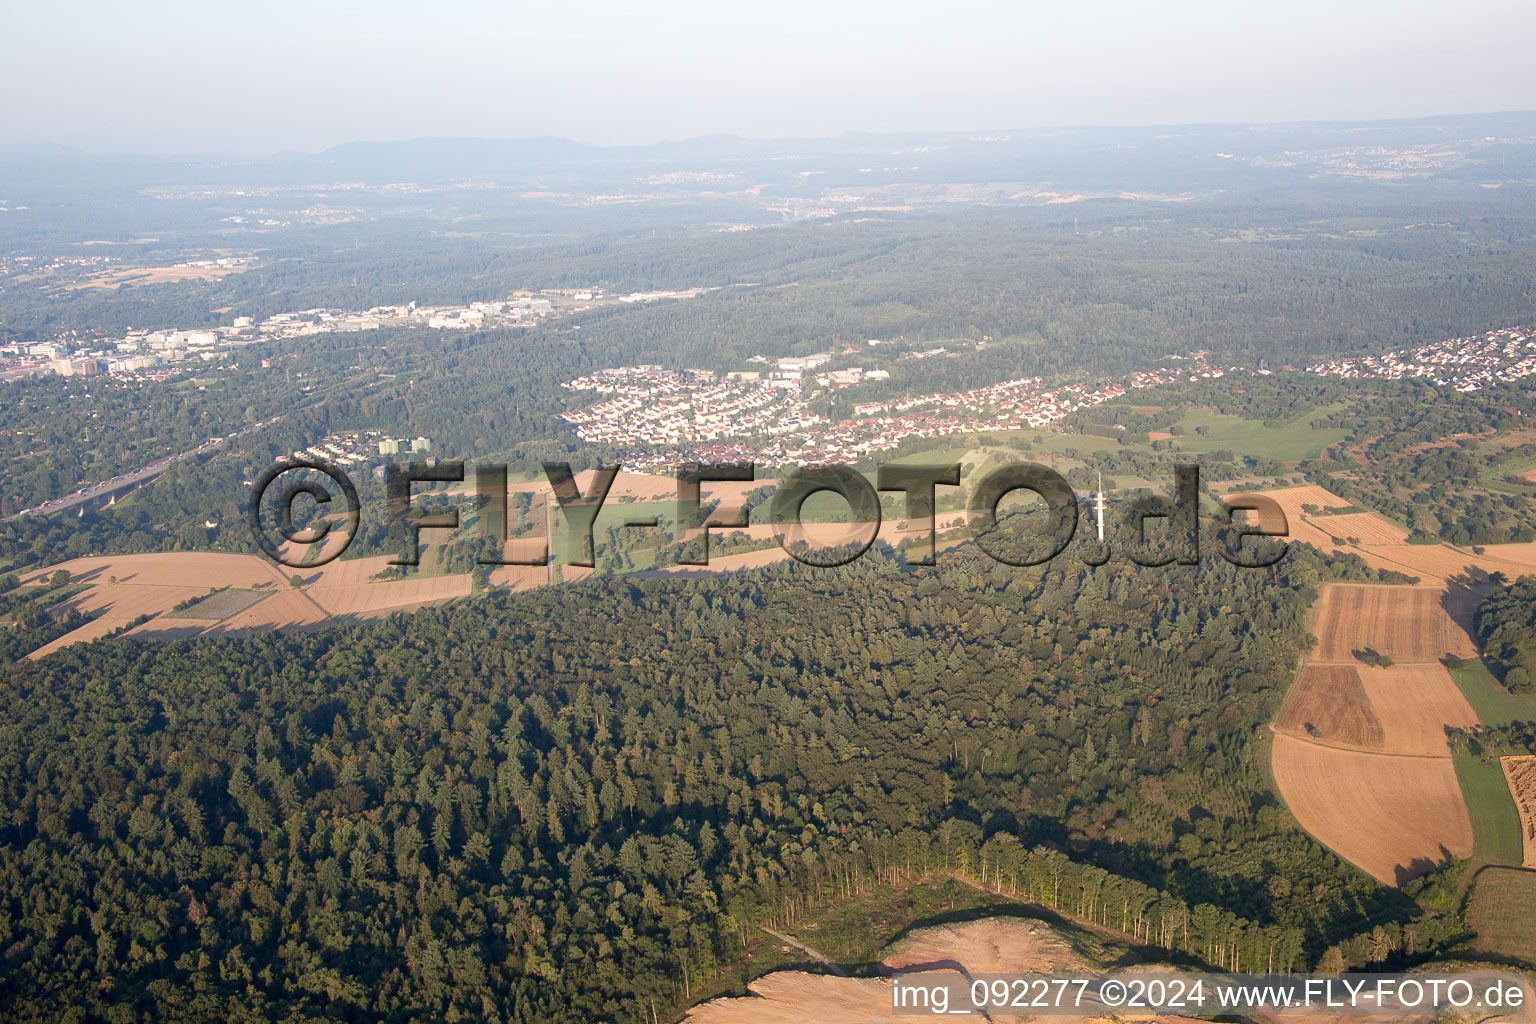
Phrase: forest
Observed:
(1505, 627)
(572, 803)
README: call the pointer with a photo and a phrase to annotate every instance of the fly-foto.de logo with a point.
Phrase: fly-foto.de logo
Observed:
(1148, 529)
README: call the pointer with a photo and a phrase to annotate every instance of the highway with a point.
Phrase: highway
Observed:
(125, 481)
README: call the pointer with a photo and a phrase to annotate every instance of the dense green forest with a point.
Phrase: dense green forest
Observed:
(1505, 626)
(565, 804)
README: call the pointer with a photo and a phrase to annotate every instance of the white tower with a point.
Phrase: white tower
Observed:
(1098, 507)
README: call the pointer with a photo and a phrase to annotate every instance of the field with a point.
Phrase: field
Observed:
(1319, 531)
(1393, 816)
(222, 605)
(257, 596)
(1494, 704)
(199, 570)
(1367, 527)
(116, 606)
(1501, 908)
(1383, 544)
(1329, 702)
(385, 596)
(115, 279)
(1519, 557)
(1416, 704)
(1291, 499)
(1289, 442)
(1495, 822)
(1407, 623)
(284, 611)
(1520, 773)
(1433, 562)
(1360, 754)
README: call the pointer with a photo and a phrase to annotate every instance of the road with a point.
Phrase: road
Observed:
(802, 947)
(123, 481)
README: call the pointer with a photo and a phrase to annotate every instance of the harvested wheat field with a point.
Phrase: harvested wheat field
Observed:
(1329, 703)
(150, 584)
(1416, 704)
(519, 577)
(1297, 528)
(292, 551)
(285, 611)
(392, 595)
(1382, 543)
(1433, 562)
(1367, 527)
(1291, 499)
(115, 606)
(1518, 557)
(1520, 773)
(93, 630)
(171, 629)
(1406, 623)
(1393, 816)
(1392, 806)
(347, 572)
(200, 569)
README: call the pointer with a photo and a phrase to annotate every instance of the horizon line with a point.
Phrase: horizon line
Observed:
(45, 148)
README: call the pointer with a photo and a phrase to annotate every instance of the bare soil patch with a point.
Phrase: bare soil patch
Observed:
(997, 945)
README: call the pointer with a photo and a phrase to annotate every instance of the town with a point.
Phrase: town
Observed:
(763, 416)
(1465, 364)
(658, 417)
(160, 354)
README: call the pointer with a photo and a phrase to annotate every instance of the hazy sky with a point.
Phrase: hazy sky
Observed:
(209, 76)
